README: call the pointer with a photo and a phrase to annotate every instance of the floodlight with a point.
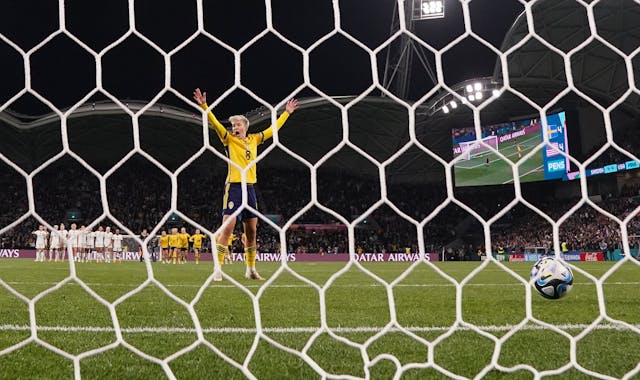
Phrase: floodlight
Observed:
(428, 9)
(496, 93)
(471, 98)
(477, 86)
(453, 104)
(445, 109)
(469, 88)
(479, 95)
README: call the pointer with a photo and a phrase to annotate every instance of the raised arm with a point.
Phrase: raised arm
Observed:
(201, 99)
(291, 106)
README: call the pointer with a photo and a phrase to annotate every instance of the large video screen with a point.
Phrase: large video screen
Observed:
(480, 165)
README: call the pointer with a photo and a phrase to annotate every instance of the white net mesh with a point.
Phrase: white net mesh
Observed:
(325, 328)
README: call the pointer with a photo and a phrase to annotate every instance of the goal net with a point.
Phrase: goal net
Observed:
(473, 149)
(353, 284)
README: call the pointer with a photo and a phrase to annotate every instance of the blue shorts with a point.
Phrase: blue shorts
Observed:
(232, 200)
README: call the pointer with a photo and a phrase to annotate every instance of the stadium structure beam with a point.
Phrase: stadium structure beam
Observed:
(400, 53)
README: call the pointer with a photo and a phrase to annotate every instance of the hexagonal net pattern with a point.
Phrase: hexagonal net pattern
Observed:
(393, 326)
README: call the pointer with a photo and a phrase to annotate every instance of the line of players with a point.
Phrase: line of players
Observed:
(174, 246)
(106, 246)
(85, 245)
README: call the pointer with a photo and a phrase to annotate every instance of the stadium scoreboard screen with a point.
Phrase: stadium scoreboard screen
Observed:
(555, 164)
(480, 165)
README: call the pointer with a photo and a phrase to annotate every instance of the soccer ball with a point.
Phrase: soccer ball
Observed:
(552, 278)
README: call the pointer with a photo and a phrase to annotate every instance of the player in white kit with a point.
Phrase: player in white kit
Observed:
(73, 242)
(41, 242)
(63, 241)
(89, 244)
(108, 244)
(81, 243)
(117, 246)
(54, 243)
(99, 242)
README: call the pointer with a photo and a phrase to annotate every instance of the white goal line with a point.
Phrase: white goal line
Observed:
(372, 285)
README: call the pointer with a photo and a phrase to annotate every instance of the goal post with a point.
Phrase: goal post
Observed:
(473, 149)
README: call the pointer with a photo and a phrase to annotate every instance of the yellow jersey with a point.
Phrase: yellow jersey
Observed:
(232, 237)
(242, 151)
(197, 240)
(164, 241)
(174, 240)
(183, 240)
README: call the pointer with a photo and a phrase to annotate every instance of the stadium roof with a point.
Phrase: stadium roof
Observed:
(102, 133)
(597, 70)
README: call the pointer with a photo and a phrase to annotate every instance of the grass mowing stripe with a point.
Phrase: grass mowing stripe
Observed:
(233, 330)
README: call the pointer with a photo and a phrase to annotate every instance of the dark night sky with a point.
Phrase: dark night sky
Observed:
(64, 73)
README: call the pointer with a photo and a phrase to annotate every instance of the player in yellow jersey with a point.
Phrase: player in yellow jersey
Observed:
(196, 239)
(228, 259)
(164, 247)
(174, 244)
(184, 245)
(241, 148)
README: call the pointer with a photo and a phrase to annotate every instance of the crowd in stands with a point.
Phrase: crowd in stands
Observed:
(139, 196)
(586, 229)
(628, 141)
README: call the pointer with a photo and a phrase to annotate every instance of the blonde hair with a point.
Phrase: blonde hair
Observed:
(234, 118)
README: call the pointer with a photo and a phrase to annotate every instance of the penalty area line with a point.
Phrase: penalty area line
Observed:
(525, 174)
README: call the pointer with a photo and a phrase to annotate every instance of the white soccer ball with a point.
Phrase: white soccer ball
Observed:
(552, 278)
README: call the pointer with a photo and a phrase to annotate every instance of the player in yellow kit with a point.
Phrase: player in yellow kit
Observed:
(228, 259)
(196, 239)
(241, 148)
(174, 244)
(164, 247)
(184, 245)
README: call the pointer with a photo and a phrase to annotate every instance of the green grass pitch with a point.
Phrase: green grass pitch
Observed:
(357, 307)
(475, 172)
